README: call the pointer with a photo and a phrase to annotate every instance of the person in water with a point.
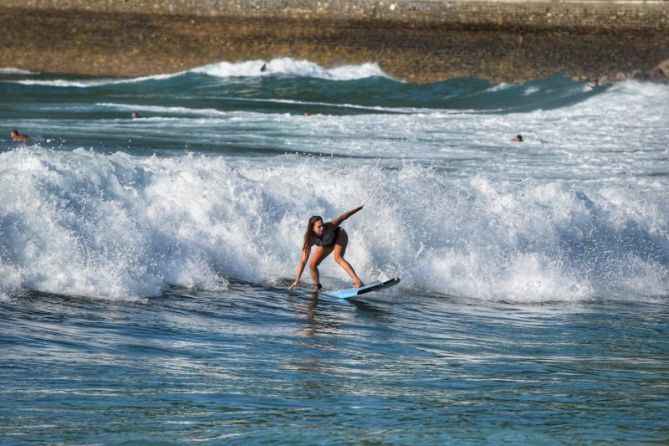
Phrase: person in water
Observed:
(329, 238)
(17, 137)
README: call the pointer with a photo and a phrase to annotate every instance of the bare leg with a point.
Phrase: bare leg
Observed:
(339, 252)
(319, 255)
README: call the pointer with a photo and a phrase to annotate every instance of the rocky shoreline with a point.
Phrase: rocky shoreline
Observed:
(416, 40)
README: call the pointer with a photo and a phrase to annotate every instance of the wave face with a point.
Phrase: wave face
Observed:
(300, 85)
(85, 223)
(218, 176)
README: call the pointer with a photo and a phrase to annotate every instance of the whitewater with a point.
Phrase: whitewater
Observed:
(184, 226)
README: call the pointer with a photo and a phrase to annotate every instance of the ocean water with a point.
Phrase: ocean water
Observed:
(144, 262)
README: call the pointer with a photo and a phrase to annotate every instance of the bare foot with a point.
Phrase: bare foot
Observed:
(358, 284)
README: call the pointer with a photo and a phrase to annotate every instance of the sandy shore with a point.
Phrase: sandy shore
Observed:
(420, 41)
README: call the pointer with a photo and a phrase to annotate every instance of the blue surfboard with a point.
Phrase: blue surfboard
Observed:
(353, 292)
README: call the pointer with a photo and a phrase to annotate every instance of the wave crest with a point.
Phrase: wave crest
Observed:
(116, 226)
(291, 67)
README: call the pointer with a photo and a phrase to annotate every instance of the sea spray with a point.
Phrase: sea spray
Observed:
(118, 225)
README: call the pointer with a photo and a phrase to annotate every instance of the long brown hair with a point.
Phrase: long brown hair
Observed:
(309, 232)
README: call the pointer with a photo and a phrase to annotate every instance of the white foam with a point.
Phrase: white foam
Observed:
(12, 70)
(163, 109)
(216, 113)
(500, 87)
(118, 226)
(530, 91)
(291, 67)
(281, 66)
(95, 82)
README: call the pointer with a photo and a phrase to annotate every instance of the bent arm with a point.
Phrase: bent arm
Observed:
(300, 267)
(337, 221)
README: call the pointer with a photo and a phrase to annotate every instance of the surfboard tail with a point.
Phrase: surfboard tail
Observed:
(352, 292)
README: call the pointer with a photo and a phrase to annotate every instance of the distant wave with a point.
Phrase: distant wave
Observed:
(86, 83)
(214, 112)
(291, 67)
(12, 70)
(282, 66)
(163, 109)
(367, 87)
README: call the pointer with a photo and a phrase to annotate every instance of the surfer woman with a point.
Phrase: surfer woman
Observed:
(329, 238)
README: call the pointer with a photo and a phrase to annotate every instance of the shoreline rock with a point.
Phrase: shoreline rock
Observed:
(659, 74)
(413, 40)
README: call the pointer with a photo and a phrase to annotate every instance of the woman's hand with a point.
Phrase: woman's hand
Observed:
(337, 221)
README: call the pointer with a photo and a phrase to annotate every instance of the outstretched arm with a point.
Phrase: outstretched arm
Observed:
(300, 267)
(337, 221)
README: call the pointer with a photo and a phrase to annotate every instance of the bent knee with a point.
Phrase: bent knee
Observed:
(338, 258)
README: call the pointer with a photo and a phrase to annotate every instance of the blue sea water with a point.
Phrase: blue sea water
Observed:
(144, 262)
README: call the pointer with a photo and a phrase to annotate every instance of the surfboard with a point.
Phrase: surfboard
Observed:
(352, 292)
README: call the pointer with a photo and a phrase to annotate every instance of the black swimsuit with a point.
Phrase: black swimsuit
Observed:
(323, 242)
